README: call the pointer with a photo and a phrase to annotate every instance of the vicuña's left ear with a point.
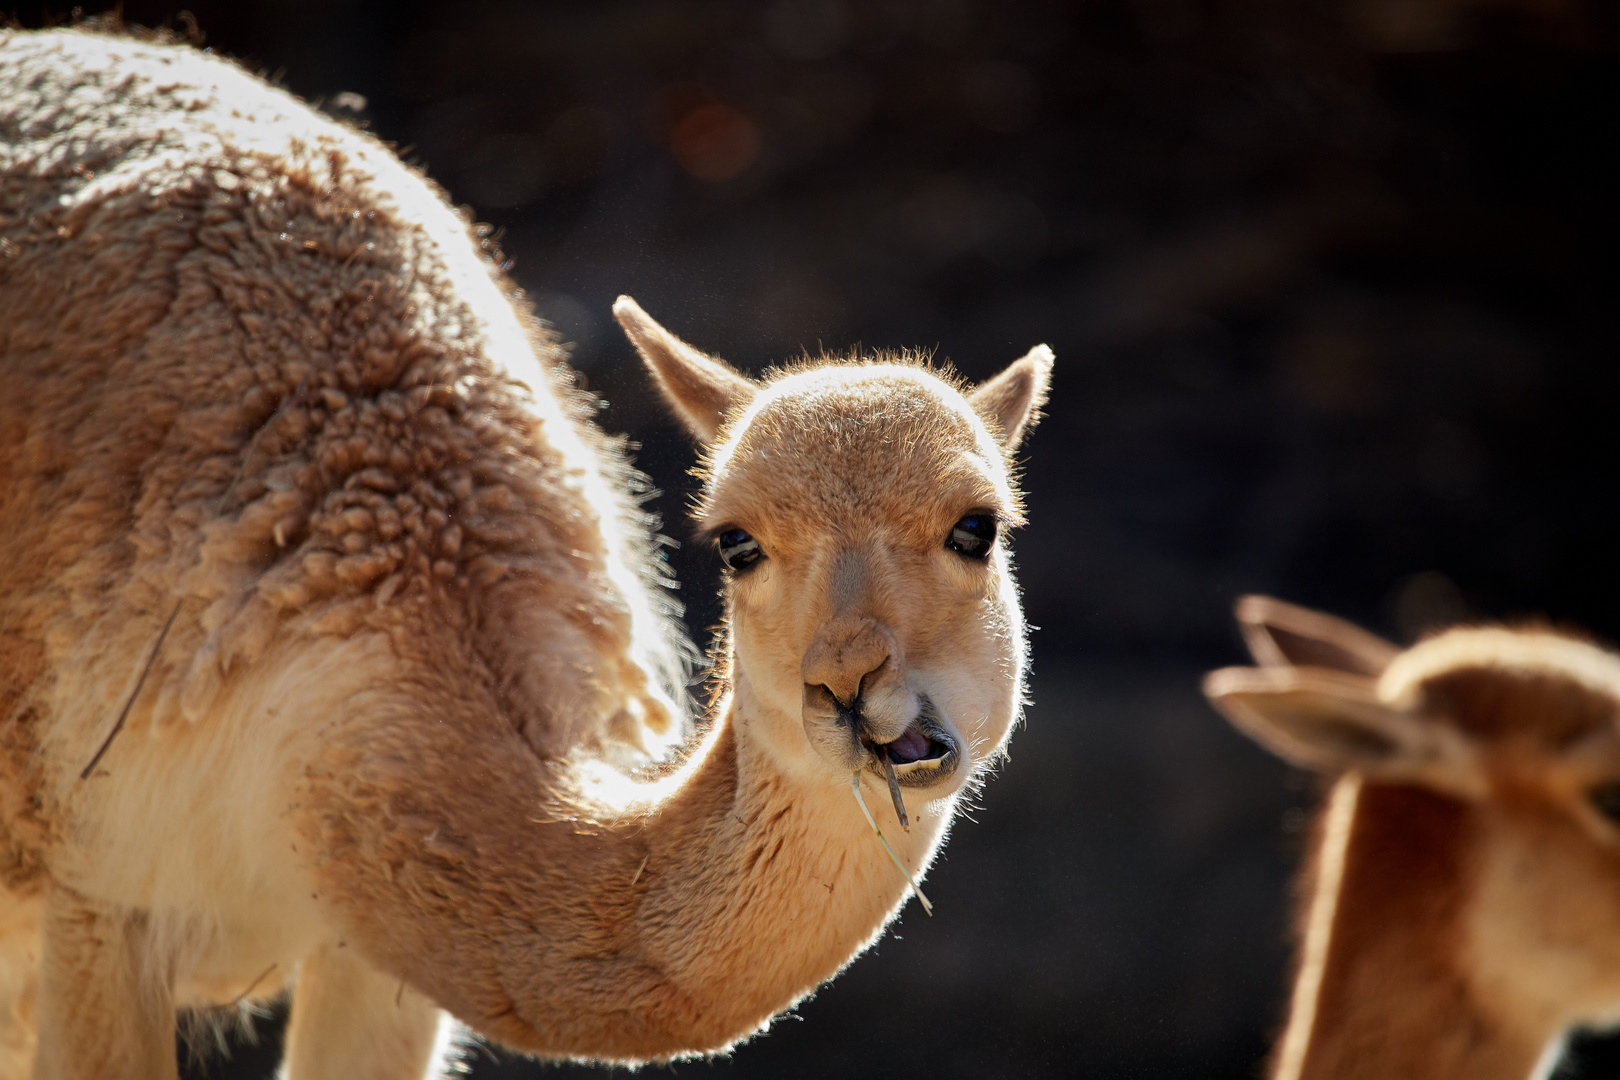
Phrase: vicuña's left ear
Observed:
(1333, 722)
(700, 389)
(1011, 401)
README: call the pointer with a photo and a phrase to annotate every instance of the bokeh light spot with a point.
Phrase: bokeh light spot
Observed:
(714, 142)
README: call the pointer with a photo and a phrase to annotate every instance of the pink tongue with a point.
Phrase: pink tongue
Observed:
(910, 746)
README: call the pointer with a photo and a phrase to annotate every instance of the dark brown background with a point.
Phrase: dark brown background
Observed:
(1332, 288)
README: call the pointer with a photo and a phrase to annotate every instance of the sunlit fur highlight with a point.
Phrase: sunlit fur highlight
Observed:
(1525, 652)
(1338, 820)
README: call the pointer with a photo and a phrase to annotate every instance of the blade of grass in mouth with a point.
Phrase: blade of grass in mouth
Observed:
(894, 788)
(855, 784)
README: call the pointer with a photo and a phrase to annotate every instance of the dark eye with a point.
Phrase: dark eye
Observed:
(738, 550)
(973, 536)
(1605, 799)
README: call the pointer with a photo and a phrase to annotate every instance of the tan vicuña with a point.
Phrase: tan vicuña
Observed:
(1459, 912)
(416, 743)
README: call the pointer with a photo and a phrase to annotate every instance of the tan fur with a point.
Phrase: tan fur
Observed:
(1463, 893)
(259, 376)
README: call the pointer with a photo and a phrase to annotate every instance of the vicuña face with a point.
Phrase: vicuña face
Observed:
(862, 514)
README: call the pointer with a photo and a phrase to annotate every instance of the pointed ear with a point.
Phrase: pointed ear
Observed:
(1331, 722)
(1279, 635)
(701, 390)
(1011, 401)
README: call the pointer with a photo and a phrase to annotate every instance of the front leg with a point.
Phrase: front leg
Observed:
(106, 1005)
(351, 1022)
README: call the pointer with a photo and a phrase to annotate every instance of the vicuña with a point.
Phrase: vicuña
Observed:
(1462, 898)
(288, 473)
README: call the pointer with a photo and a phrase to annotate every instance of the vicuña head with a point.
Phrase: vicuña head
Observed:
(860, 508)
(1463, 896)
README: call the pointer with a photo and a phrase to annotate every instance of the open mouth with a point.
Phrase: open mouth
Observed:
(924, 754)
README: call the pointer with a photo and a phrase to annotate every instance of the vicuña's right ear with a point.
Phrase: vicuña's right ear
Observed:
(1280, 635)
(700, 389)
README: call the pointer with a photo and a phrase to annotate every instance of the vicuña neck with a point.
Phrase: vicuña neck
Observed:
(1381, 989)
(682, 924)
(771, 875)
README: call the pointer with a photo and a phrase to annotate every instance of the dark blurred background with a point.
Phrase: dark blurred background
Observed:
(1332, 287)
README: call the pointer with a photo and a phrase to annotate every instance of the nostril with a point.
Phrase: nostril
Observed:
(818, 696)
(872, 675)
(821, 699)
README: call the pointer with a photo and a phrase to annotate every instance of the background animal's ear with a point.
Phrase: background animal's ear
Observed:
(1280, 635)
(701, 389)
(1012, 400)
(1333, 722)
